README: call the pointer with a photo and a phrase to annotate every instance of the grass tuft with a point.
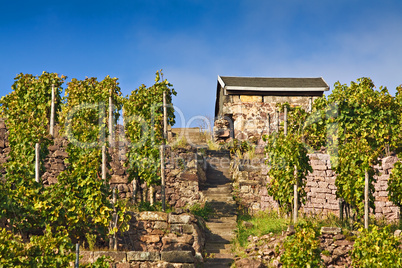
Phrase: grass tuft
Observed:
(263, 223)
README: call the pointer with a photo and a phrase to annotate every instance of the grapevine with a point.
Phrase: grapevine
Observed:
(143, 113)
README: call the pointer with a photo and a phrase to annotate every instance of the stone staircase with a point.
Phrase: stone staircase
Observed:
(222, 225)
(193, 136)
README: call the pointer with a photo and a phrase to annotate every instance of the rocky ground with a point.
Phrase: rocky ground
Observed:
(265, 251)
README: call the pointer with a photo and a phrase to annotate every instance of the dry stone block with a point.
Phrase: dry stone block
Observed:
(386, 210)
(382, 193)
(122, 188)
(150, 238)
(334, 202)
(123, 265)
(318, 162)
(153, 216)
(86, 257)
(119, 171)
(318, 200)
(116, 179)
(177, 256)
(186, 239)
(59, 153)
(331, 230)
(118, 256)
(143, 256)
(323, 156)
(3, 133)
(332, 186)
(311, 184)
(189, 177)
(161, 225)
(319, 167)
(323, 190)
(322, 184)
(182, 218)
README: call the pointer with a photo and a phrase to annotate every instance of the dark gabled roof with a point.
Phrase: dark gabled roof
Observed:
(272, 84)
(268, 86)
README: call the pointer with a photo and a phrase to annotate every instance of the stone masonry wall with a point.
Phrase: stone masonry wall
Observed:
(266, 250)
(249, 115)
(4, 145)
(185, 170)
(250, 183)
(157, 239)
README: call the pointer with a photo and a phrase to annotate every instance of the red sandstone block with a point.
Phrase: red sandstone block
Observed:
(123, 265)
(319, 167)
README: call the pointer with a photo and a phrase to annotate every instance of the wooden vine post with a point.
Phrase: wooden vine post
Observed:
(269, 124)
(366, 199)
(295, 197)
(110, 120)
(285, 122)
(52, 112)
(115, 217)
(113, 223)
(277, 120)
(77, 255)
(37, 162)
(162, 152)
(104, 163)
(164, 116)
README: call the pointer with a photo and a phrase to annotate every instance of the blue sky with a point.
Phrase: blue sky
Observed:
(195, 41)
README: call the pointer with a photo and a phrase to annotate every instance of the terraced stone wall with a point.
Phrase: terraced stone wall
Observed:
(250, 116)
(185, 170)
(250, 188)
(157, 239)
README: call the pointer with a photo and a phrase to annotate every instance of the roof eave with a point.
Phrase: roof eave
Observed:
(221, 82)
(267, 89)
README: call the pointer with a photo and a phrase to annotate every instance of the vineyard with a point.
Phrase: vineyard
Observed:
(40, 224)
(358, 126)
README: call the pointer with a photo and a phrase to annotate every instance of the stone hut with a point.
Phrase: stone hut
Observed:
(245, 107)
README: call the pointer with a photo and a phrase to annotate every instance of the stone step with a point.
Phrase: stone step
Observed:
(215, 183)
(218, 178)
(216, 175)
(224, 219)
(218, 190)
(230, 225)
(222, 226)
(219, 248)
(220, 153)
(222, 238)
(208, 185)
(219, 198)
(225, 233)
(224, 211)
(218, 194)
(218, 170)
(226, 189)
(218, 262)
